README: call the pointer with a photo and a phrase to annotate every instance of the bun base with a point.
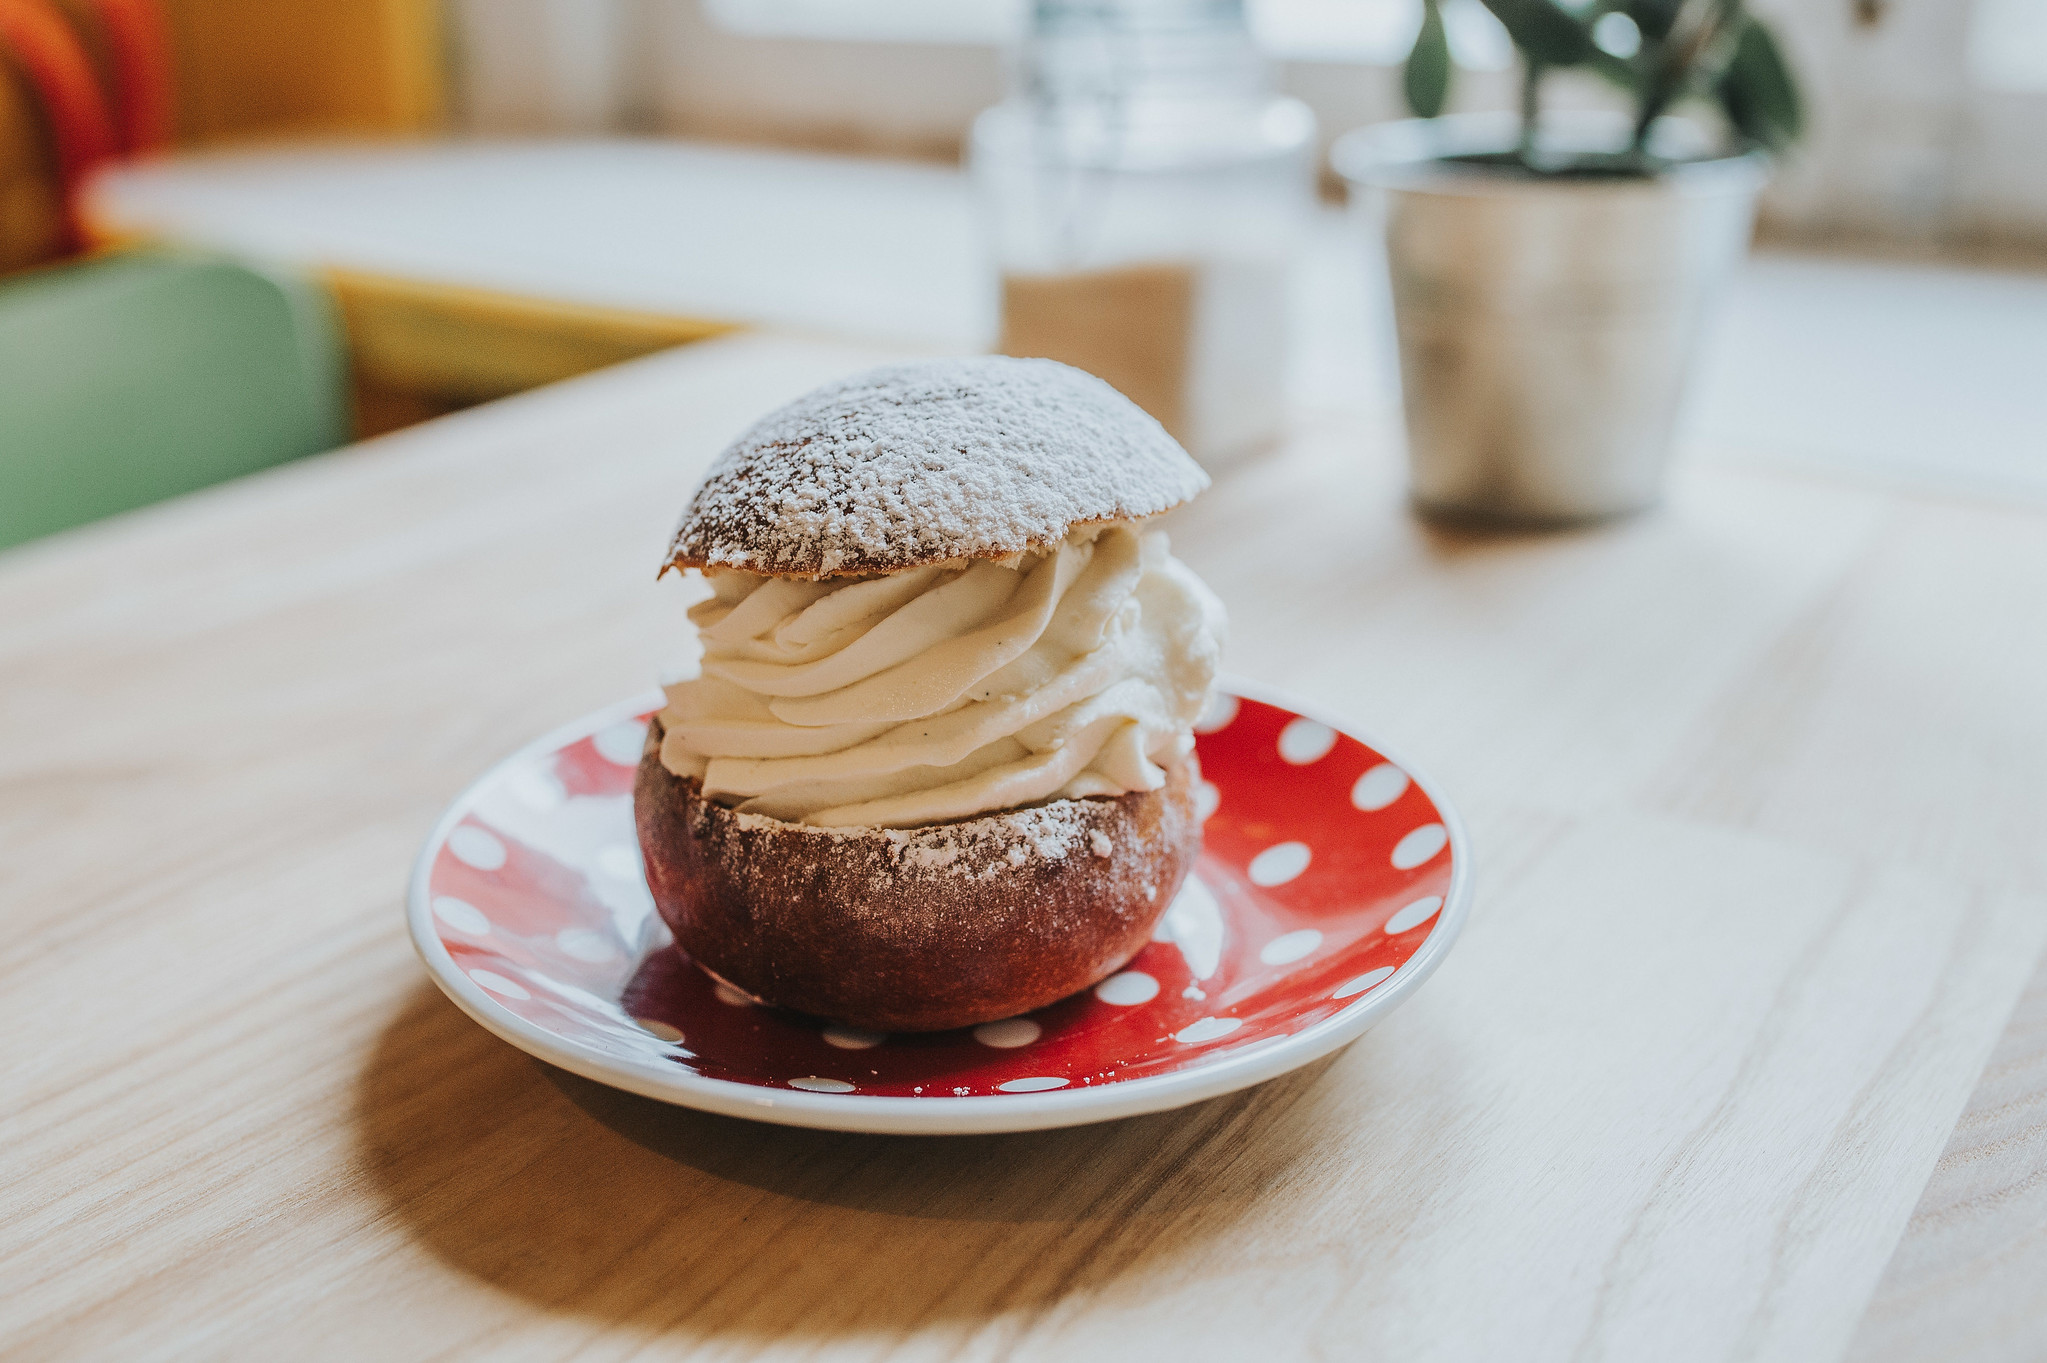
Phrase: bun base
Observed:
(914, 929)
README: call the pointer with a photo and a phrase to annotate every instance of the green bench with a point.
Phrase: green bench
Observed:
(129, 380)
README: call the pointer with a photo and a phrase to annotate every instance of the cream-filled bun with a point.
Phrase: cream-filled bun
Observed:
(937, 766)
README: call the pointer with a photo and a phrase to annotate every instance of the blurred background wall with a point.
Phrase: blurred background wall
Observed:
(1929, 116)
(436, 203)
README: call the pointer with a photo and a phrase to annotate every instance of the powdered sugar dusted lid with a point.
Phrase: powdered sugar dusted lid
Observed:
(920, 463)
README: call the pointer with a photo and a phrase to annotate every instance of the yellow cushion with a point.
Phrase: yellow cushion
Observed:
(260, 68)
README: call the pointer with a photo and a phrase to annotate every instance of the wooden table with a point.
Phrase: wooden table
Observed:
(1754, 785)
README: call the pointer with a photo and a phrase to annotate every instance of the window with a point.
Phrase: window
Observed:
(2008, 45)
(879, 21)
(1375, 31)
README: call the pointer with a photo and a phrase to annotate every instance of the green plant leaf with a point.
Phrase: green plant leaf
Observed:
(1623, 73)
(1545, 34)
(1653, 17)
(1759, 92)
(1685, 60)
(1426, 77)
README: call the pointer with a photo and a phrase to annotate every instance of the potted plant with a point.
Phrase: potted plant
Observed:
(1550, 274)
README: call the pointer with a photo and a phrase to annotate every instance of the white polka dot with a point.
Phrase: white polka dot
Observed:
(1306, 740)
(738, 998)
(537, 789)
(474, 847)
(1008, 1034)
(1222, 708)
(461, 915)
(1278, 864)
(1208, 1029)
(1127, 989)
(1371, 979)
(620, 860)
(621, 743)
(1194, 924)
(585, 945)
(817, 1085)
(1291, 947)
(1413, 916)
(1418, 846)
(852, 1038)
(1037, 1083)
(498, 984)
(1379, 787)
(1208, 797)
(655, 1028)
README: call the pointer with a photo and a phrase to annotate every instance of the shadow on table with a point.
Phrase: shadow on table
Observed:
(579, 1198)
(1449, 536)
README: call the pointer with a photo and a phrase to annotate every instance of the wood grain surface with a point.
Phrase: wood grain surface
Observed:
(1968, 1283)
(1753, 785)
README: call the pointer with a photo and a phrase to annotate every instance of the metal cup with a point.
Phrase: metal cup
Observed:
(1546, 327)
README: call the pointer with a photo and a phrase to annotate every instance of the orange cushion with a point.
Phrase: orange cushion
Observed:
(46, 49)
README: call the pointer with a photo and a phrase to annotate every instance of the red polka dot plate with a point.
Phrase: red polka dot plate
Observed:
(1332, 881)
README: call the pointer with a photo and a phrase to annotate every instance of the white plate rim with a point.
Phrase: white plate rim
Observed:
(944, 1115)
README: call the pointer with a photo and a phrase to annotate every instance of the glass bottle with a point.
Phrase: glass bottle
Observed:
(1144, 191)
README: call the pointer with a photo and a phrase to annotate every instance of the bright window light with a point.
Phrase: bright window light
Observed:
(1478, 42)
(874, 21)
(1372, 31)
(1617, 35)
(2008, 44)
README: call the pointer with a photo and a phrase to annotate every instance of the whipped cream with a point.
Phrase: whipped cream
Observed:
(951, 690)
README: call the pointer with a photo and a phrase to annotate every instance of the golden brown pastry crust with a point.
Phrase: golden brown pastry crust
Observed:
(914, 929)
